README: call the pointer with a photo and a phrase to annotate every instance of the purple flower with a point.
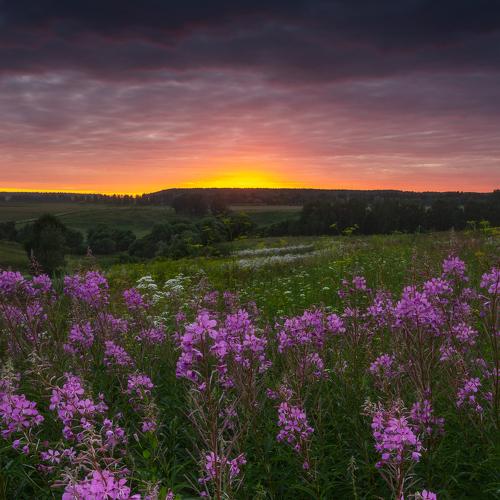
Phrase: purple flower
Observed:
(395, 438)
(468, 394)
(99, 485)
(383, 367)
(302, 330)
(491, 281)
(91, 288)
(52, 456)
(80, 339)
(454, 267)
(134, 300)
(427, 495)
(139, 385)
(215, 466)
(415, 307)
(422, 417)
(11, 282)
(115, 355)
(152, 336)
(335, 324)
(195, 333)
(294, 427)
(17, 414)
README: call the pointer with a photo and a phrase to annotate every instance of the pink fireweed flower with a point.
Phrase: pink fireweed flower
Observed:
(111, 326)
(17, 414)
(395, 438)
(148, 425)
(99, 485)
(195, 333)
(115, 355)
(152, 336)
(52, 456)
(314, 362)
(91, 288)
(239, 340)
(80, 339)
(11, 282)
(426, 495)
(335, 324)
(491, 281)
(302, 330)
(468, 394)
(422, 417)
(381, 311)
(113, 434)
(134, 300)
(42, 284)
(465, 334)
(359, 283)
(139, 385)
(384, 367)
(415, 307)
(438, 288)
(215, 466)
(454, 267)
(71, 405)
(294, 427)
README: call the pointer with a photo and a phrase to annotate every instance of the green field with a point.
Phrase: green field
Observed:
(283, 277)
(138, 219)
(288, 287)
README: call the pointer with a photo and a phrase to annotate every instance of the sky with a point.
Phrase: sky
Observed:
(127, 96)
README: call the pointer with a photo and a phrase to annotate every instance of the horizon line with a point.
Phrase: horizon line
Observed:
(143, 193)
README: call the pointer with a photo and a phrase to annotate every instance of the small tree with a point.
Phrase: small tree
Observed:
(47, 243)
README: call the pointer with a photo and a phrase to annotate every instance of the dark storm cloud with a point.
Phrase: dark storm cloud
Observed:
(295, 40)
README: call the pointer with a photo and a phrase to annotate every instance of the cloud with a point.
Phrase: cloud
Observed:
(349, 92)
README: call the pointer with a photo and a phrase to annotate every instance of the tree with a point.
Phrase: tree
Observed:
(190, 204)
(47, 243)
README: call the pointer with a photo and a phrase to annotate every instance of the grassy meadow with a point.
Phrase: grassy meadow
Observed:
(84, 216)
(288, 413)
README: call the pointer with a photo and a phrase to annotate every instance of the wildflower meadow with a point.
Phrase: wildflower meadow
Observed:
(163, 388)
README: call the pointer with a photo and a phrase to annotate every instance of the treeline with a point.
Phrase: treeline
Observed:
(188, 237)
(248, 196)
(383, 216)
(48, 240)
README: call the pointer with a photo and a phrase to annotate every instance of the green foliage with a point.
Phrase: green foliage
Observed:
(106, 240)
(8, 230)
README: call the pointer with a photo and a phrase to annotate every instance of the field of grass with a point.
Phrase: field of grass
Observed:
(328, 451)
(12, 255)
(139, 219)
(85, 216)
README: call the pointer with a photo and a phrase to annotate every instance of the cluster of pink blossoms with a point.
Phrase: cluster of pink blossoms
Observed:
(73, 409)
(80, 339)
(99, 485)
(91, 288)
(384, 367)
(134, 300)
(18, 415)
(395, 438)
(235, 340)
(294, 427)
(215, 466)
(115, 355)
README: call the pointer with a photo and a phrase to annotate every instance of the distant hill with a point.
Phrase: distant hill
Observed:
(250, 196)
